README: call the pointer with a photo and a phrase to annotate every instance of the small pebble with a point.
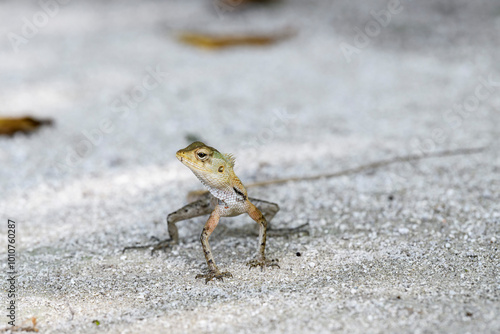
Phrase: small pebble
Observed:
(312, 264)
(447, 245)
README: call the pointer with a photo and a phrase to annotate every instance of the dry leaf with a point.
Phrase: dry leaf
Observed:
(9, 126)
(210, 41)
(13, 329)
(233, 5)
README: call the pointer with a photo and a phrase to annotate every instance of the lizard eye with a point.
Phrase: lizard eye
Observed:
(221, 169)
(201, 155)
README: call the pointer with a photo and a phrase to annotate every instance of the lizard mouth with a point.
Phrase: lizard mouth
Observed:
(189, 163)
(178, 155)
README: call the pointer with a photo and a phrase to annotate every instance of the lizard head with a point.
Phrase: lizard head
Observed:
(213, 169)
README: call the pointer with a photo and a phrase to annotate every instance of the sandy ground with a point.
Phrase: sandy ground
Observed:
(409, 248)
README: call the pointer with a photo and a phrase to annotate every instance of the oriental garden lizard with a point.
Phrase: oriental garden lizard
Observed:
(227, 197)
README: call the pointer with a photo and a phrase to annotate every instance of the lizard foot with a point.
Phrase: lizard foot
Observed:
(285, 232)
(263, 263)
(214, 274)
(163, 244)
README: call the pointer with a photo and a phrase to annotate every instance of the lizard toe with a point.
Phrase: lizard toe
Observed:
(263, 263)
(214, 274)
(162, 245)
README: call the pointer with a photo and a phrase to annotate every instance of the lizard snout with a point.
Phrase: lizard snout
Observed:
(179, 155)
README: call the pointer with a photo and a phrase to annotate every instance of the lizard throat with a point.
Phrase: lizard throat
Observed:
(226, 194)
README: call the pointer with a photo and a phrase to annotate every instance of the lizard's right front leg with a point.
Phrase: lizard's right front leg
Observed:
(213, 271)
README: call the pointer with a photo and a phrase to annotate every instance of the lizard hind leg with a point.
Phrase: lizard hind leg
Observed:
(201, 207)
(269, 210)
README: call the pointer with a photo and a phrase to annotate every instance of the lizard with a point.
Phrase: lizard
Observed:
(226, 196)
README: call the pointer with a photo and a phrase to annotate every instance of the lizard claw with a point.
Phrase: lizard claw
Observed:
(263, 263)
(214, 274)
(164, 244)
(285, 232)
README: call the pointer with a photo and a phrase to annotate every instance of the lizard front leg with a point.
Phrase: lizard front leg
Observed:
(268, 209)
(213, 271)
(261, 260)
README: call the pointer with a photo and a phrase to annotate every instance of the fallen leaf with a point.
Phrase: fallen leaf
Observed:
(13, 329)
(212, 41)
(232, 5)
(9, 126)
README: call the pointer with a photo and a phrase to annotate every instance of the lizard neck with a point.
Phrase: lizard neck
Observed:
(228, 193)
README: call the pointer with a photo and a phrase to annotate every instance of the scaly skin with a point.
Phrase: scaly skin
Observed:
(215, 171)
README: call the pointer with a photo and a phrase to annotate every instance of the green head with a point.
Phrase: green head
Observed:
(213, 169)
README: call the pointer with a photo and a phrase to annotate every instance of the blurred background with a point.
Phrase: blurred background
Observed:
(378, 78)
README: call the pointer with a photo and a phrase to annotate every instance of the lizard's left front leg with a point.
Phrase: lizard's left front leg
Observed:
(213, 271)
(261, 260)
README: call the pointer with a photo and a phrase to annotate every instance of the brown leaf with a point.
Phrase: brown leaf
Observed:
(211, 41)
(9, 126)
(13, 329)
(228, 6)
